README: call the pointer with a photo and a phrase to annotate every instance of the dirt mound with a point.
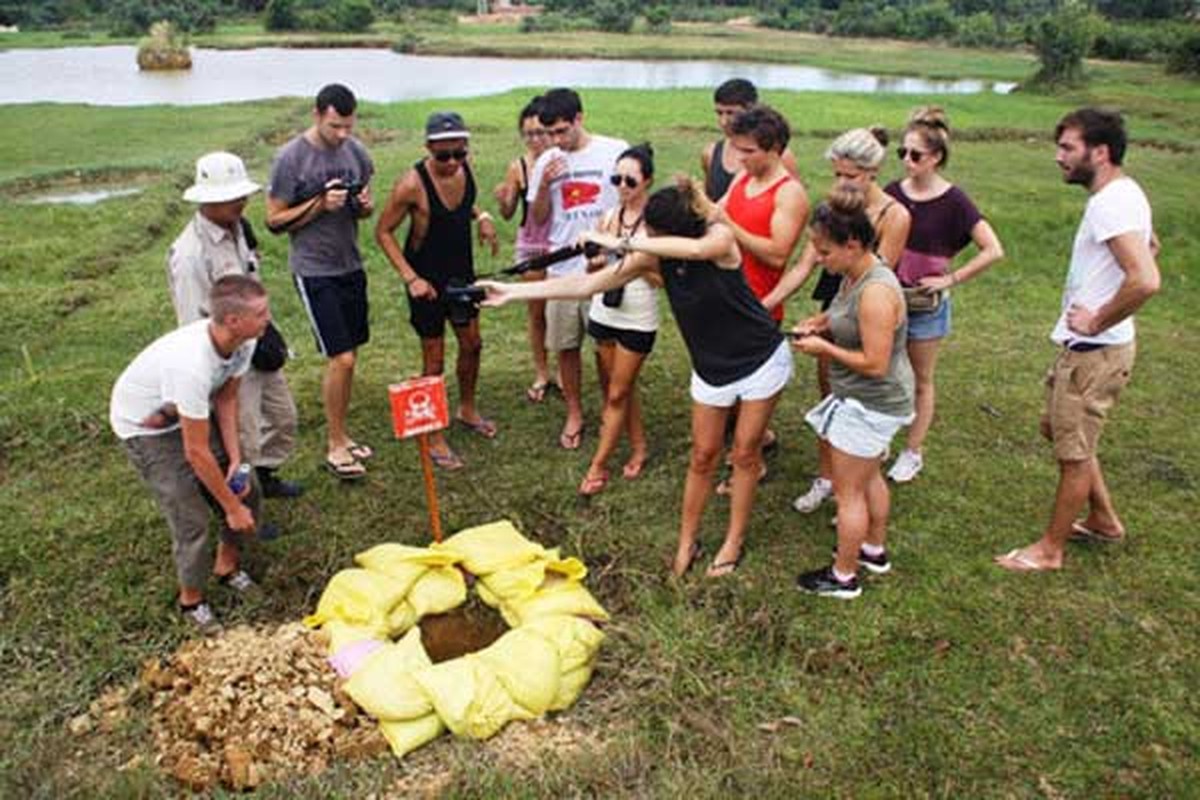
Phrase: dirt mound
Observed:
(251, 705)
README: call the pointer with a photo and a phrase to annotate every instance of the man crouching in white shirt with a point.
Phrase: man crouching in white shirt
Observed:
(174, 409)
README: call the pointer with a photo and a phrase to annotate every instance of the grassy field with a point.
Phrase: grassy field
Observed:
(948, 678)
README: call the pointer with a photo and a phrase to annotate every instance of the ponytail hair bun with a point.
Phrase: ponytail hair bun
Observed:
(842, 217)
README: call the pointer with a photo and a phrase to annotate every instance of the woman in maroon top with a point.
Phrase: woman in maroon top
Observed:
(944, 222)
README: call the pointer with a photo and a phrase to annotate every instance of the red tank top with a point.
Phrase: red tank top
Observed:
(753, 214)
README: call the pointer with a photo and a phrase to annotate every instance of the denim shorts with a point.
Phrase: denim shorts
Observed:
(931, 324)
(852, 428)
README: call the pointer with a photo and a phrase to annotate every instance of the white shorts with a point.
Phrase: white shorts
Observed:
(853, 428)
(766, 381)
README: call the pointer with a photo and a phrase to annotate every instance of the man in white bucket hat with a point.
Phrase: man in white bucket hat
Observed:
(219, 241)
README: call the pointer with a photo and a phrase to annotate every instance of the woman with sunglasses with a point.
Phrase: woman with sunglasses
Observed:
(532, 239)
(944, 222)
(855, 156)
(623, 322)
(871, 386)
(738, 353)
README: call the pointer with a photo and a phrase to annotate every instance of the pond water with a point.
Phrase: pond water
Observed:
(85, 197)
(109, 76)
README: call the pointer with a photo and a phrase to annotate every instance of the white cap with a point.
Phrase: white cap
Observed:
(220, 177)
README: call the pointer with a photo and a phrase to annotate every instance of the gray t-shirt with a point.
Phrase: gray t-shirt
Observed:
(328, 245)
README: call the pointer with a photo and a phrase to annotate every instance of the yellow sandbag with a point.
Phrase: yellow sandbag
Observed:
(358, 597)
(383, 686)
(402, 562)
(469, 697)
(487, 548)
(520, 582)
(570, 686)
(567, 598)
(576, 639)
(438, 590)
(401, 618)
(527, 665)
(342, 634)
(407, 735)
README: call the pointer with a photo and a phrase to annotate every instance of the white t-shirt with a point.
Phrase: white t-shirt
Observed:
(181, 368)
(580, 196)
(1095, 276)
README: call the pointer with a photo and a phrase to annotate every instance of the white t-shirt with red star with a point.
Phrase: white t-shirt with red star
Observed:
(580, 196)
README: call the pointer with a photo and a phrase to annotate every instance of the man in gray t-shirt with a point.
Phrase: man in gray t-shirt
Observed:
(318, 191)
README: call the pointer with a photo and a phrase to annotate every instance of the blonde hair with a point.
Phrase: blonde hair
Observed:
(864, 147)
(932, 125)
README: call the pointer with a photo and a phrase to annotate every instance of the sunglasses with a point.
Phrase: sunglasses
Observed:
(630, 181)
(448, 155)
(904, 152)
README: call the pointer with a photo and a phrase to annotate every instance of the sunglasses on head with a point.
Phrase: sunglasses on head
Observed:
(630, 181)
(447, 155)
(906, 152)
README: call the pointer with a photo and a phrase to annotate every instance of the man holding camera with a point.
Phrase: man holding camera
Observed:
(439, 193)
(174, 408)
(219, 241)
(318, 190)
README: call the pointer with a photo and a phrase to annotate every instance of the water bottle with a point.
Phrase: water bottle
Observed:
(240, 479)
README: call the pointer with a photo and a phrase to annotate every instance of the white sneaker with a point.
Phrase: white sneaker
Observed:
(907, 465)
(820, 491)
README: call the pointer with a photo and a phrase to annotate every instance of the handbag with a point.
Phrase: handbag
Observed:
(271, 351)
(921, 302)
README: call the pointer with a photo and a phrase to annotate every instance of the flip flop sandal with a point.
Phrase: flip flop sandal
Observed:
(483, 426)
(360, 451)
(449, 460)
(571, 441)
(1016, 561)
(590, 487)
(351, 470)
(729, 567)
(633, 470)
(536, 392)
(1082, 533)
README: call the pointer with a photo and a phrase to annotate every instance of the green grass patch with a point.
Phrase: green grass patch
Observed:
(948, 678)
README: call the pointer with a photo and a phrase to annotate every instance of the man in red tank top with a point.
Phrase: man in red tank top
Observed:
(766, 206)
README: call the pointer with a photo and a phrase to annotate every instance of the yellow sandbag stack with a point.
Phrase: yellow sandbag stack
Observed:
(543, 663)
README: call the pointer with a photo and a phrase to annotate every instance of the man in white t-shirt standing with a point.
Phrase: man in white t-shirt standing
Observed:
(571, 185)
(174, 408)
(1113, 272)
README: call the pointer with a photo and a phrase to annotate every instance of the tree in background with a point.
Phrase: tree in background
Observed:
(1061, 40)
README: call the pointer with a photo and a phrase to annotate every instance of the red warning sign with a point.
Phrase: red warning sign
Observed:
(419, 406)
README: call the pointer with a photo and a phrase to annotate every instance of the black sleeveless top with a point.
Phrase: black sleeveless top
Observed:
(445, 252)
(727, 331)
(524, 189)
(716, 183)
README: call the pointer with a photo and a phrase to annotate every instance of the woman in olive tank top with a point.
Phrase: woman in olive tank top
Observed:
(863, 334)
(738, 354)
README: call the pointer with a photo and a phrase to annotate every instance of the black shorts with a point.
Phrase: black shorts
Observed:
(337, 310)
(633, 341)
(428, 317)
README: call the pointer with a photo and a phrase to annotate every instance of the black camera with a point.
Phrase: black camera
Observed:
(352, 191)
(461, 302)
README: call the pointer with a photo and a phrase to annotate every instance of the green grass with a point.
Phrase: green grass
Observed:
(947, 678)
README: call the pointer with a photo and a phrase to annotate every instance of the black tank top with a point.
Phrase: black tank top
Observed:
(445, 252)
(716, 184)
(727, 331)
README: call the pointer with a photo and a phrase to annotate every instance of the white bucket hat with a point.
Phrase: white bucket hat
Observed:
(220, 177)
